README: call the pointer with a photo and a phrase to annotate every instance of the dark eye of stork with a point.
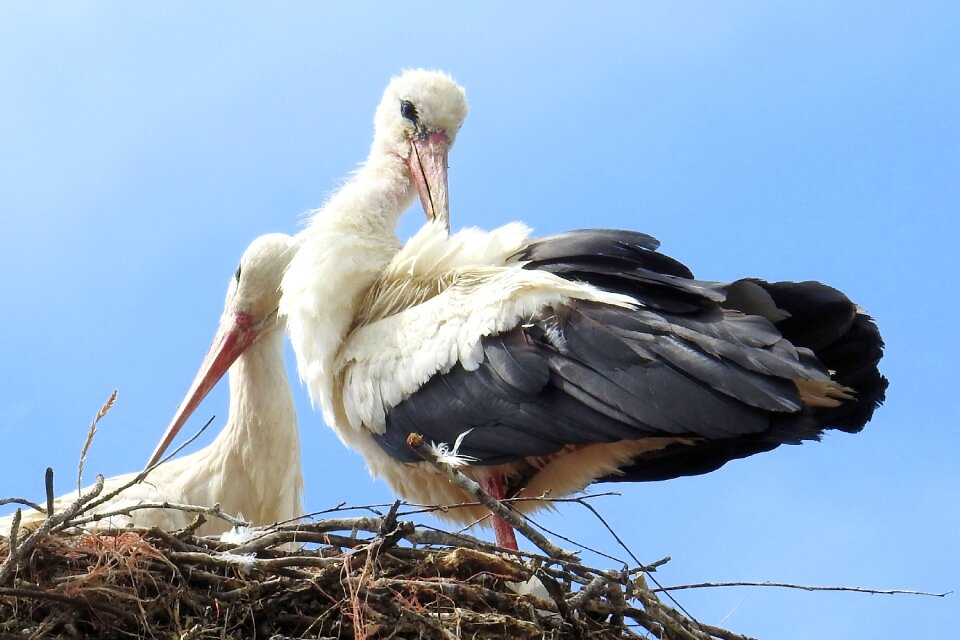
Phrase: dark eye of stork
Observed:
(408, 111)
(237, 274)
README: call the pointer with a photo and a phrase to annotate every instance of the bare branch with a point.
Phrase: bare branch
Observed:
(213, 510)
(56, 597)
(496, 507)
(579, 544)
(24, 502)
(48, 486)
(369, 576)
(14, 530)
(803, 587)
(27, 546)
(596, 585)
(140, 477)
(233, 560)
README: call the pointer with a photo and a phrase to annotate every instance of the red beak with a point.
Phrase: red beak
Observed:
(428, 167)
(235, 334)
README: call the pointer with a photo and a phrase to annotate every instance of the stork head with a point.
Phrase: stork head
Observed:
(250, 312)
(254, 289)
(418, 120)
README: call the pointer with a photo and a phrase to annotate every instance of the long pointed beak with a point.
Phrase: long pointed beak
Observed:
(235, 334)
(428, 167)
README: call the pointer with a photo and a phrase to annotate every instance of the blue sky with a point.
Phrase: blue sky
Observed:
(144, 145)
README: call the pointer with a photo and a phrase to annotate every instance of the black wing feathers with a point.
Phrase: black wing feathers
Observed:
(599, 247)
(844, 340)
(710, 363)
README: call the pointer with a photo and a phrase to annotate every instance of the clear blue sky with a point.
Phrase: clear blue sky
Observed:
(143, 145)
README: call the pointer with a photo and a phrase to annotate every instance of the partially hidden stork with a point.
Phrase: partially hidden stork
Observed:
(252, 468)
(555, 362)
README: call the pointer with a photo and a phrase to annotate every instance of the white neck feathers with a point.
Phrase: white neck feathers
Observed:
(347, 244)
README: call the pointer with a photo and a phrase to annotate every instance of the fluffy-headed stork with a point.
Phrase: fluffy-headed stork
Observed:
(253, 466)
(556, 362)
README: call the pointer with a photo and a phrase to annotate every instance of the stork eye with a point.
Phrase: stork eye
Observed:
(237, 274)
(408, 111)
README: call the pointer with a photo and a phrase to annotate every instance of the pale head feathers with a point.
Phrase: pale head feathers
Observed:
(254, 289)
(416, 103)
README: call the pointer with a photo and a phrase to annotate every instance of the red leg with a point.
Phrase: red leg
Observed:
(506, 537)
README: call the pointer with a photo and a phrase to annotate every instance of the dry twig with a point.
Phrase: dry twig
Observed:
(24, 502)
(802, 587)
(140, 477)
(48, 487)
(214, 511)
(373, 576)
(415, 441)
(27, 546)
(390, 577)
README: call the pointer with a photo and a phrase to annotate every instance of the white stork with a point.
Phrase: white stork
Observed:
(552, 363)
(253, 466)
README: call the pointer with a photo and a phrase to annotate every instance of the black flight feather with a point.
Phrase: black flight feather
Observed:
(712, 363)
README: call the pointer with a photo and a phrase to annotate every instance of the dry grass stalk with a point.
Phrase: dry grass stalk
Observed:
(93, 431)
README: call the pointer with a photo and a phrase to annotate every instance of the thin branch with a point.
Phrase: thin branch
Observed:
(787, 585)
(213, 510)
(581, 500)
(416, 442)
(183, 446)
(596, 586)
(140, 477)
(233, 560)
(432, 536)
(343, 506)
(57, 597)
(304, 532)
(579, 544)
(399, 613)
(48, 486)
(634, 557)
(721, 633)
(14, 530)
(27, 546)
(433, 508)
(24, 502)
(172, 541)
(606, 525)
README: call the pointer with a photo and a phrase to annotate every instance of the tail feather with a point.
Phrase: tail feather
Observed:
(822, 331)
(846, 341)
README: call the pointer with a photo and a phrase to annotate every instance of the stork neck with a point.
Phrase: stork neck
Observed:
(262, 414)
(253, 467)
(348, 243)
(373, 200)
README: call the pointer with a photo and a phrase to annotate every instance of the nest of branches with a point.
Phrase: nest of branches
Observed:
(376, 576)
